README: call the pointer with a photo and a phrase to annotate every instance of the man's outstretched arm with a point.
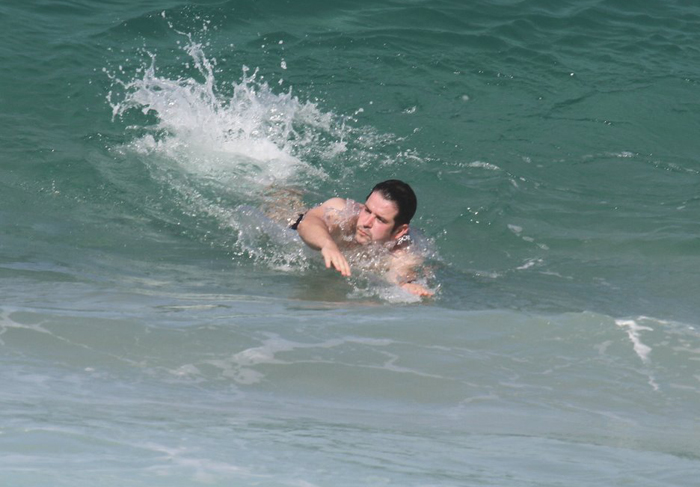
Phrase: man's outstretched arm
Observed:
(402, 272)
(316, 229)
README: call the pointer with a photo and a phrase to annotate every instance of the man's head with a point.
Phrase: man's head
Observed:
(386, 213)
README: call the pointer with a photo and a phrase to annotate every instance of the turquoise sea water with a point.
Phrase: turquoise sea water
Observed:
(157, 330)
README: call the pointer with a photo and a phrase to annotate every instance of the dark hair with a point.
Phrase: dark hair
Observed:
(402, 195)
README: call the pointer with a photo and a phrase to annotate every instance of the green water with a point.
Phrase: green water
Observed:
(156, 329)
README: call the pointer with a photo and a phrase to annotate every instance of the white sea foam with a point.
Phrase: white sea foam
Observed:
(183, 461)
(642, 350)
(623, 154)
(518, 232)
(529, 263)
(241, 366)
(515, 229)
(633, 331)
(484, 165)
(7, 323)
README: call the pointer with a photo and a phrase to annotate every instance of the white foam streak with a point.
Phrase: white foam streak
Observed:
(7, 323)
(642, 350)
(180, 461)
(633, 330)
(239, 366)
(484, 165)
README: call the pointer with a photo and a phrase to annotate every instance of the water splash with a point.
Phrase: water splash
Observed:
(242, 134)
(215, 147)
(220, 147)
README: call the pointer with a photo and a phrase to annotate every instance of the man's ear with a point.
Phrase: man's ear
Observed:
(400, 231)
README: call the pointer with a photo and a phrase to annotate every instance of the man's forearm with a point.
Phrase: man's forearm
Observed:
(314, 232)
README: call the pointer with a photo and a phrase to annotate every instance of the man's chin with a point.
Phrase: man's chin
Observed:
(362, 239)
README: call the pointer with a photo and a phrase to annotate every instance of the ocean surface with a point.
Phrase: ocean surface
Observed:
(157, 329)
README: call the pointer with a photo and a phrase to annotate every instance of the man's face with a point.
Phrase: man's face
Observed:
(376, 221)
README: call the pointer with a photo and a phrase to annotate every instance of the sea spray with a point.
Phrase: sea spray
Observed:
(219, 148)
(253, 135)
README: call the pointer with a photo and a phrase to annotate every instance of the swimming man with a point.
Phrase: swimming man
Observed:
(339, 225)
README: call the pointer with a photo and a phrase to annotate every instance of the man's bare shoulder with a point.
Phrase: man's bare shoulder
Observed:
(406, 255)
(332, 206)
(335, 204)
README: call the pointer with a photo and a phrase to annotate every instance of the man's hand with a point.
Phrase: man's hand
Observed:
(335, 258)
(316, 229)
(417, 289)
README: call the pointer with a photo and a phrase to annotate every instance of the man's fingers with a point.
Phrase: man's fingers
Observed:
(341, 265)
(337, 261)
(418, 290)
